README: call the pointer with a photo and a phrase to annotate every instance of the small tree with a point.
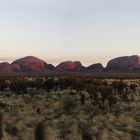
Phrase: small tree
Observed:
(93, 92)
(92, 110)
(85, 129)
(133, 88)
(119, 86)
(64, 129)
(111, 101)
(106, 92)
(1, 125)
(82, 100)
(40, 132)
(68, 104)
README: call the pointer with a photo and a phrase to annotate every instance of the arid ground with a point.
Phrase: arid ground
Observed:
(69, 108)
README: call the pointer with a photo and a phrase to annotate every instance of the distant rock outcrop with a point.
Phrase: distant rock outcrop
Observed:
(124, 64)
(75, 66)
(30, 63)
(98, 67)
(50, 67)
(4, 65)
(34, 64)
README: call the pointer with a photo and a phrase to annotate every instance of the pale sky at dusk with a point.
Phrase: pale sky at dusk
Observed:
(57, 30)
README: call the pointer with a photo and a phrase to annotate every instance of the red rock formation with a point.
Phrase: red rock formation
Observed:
(4, 65)
(98, 67)
(124, 64)
(30, 63)
(70, 66)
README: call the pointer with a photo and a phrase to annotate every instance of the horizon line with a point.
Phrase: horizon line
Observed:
(56, 62)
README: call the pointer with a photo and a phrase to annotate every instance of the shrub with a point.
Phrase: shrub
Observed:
(1, 125)
(40, 132)
(68, 104)
(86, 132)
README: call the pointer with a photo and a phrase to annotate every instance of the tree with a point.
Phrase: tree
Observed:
(111, 101)
(133, 88)
(105, 94)
(93, 92)
(92, 110)
(85, 129)
(40, 131)
(49, 84)
(3, 85)
(68, 104)
(18, 86)
(82, 100)
(1, 125)
(119, 86)
(39, 84)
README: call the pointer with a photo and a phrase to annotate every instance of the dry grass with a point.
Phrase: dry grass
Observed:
(23, 113)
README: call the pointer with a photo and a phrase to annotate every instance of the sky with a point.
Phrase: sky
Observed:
(90, 31)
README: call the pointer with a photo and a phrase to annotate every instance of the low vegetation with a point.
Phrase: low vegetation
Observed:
(69, 108)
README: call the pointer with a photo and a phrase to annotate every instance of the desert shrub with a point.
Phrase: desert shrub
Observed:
(64, 130)
(86, 130)
(18, 86)
(133, 87)
(96, 82)
(119, 86)
(3, 85)
(1, 125)
(68, 104)
(82, 100)
(92, 110)
(93, 92)
(106, 92)
(49, 84)
(40, 131)
(12, 130)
